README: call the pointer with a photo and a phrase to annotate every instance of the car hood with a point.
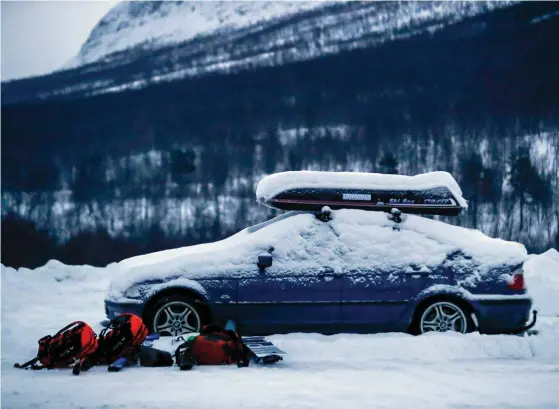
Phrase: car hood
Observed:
(196, 262)
(160, 268)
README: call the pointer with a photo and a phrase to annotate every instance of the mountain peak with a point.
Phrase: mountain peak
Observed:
(130, 24)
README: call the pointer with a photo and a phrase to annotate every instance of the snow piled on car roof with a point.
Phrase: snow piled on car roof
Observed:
(276, 183)
(302, 245)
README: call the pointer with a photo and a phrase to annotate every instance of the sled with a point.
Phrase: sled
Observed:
(435, 193)
(262, 350)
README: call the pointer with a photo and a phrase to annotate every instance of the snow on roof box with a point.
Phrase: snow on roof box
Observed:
(428, 193)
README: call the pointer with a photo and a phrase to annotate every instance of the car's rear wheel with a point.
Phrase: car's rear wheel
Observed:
(443, 316)
(174, 315)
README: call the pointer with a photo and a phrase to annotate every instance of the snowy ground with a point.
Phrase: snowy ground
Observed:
(342, 371)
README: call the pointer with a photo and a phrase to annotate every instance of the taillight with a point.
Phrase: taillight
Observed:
(517, 282)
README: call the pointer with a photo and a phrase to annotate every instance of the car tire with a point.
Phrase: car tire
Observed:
(442, 315)
(174, 315)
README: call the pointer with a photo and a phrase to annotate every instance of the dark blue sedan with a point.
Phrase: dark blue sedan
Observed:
(353, 271)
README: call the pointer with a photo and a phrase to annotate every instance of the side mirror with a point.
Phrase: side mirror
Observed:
(264, 260)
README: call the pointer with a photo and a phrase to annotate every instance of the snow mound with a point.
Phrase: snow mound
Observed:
(55, 280)
(542, 279)
(38, 302)
(276, 183)
(55, 272)
(315, 349)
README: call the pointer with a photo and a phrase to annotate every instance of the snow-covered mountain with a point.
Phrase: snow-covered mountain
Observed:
(142, 43)
(159, 23)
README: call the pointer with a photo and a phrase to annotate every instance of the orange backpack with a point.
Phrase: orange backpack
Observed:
(122, 338)
(68, 347)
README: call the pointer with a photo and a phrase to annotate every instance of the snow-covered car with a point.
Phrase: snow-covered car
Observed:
(346, 270)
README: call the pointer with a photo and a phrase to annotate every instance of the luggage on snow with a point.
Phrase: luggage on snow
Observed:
(70, 346)
(214, 346)
(77, 346)
(122, 338)
(126, 342)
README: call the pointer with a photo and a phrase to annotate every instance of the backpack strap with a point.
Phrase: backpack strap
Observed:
(244, 361)
(240, 355)
(30, 363)
(183, 355)
(67, 327)
(118, 320)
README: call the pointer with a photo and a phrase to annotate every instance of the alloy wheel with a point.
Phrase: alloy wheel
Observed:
(176, 318)
(443, 316)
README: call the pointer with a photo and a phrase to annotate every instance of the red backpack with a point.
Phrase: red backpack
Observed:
(68, 347)
(214, 346)
(122, 337)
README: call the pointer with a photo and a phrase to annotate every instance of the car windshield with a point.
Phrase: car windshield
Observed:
(257, 227)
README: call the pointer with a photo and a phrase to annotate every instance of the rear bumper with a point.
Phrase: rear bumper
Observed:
(112, 309)
(502, 316)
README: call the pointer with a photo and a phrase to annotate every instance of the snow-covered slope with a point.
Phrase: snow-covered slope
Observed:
(542, 278)
(225, 36)
(159, 23)
(143, 43)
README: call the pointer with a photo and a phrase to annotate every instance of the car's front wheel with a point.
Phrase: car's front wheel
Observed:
(443, 316)
(174, 315)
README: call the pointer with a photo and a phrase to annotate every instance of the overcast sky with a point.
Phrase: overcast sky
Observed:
(41, 36)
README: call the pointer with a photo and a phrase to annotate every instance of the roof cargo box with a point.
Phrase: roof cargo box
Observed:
(435, 193)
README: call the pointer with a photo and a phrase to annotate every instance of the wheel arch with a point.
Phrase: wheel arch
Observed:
(454, 297)
(202, 304)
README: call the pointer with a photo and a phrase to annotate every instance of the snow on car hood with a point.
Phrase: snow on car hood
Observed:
(354, 239)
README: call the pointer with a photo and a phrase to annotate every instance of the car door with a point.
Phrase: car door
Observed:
(300, 291)
(380, 276)
(289, 302)
(374, 299)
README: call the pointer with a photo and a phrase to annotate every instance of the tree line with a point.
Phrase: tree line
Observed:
(108, 208)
